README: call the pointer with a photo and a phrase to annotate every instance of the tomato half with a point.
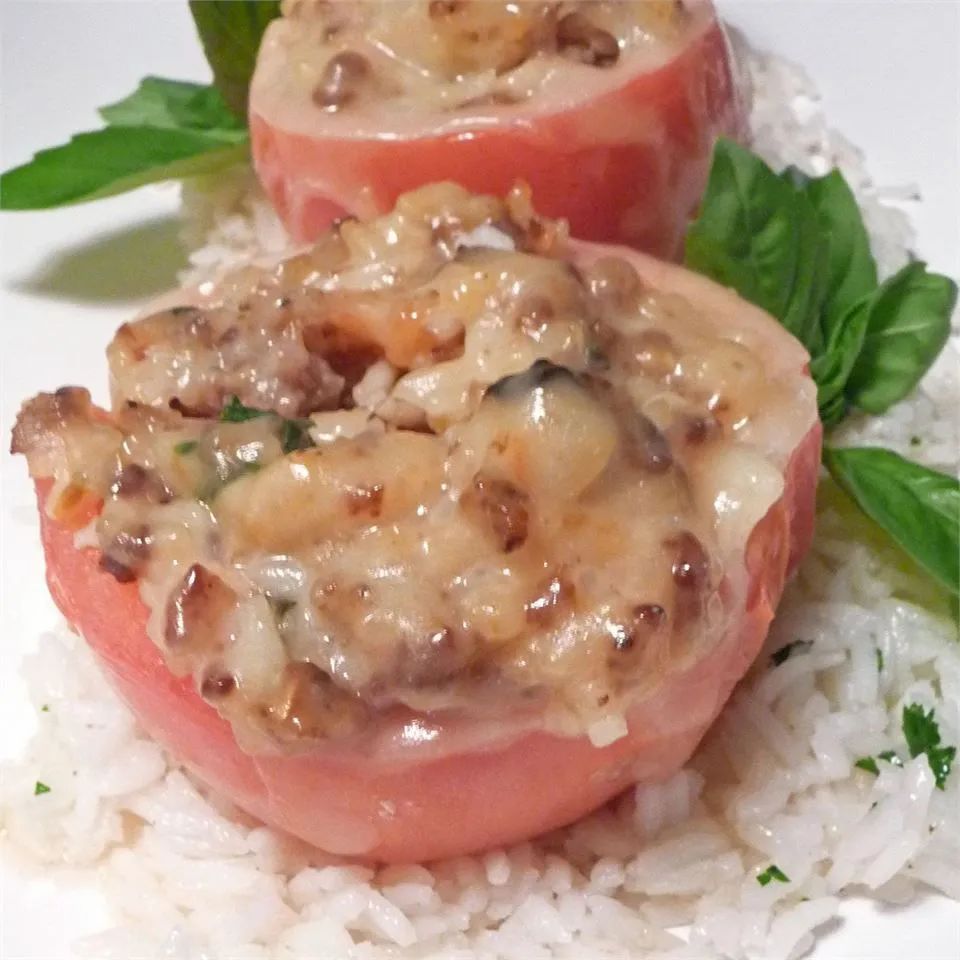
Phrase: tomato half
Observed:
(624, 165)
(412, 798)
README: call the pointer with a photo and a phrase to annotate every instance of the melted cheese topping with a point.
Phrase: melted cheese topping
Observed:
(459, 56)
(429, 464)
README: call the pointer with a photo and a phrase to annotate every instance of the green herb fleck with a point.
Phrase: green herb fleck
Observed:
(235, 412)
(295, 435)
(784, 653)
(916, 441)
(40, 788)
(188, 446)
(870, 763)
(773, 872)
(879, 654)
(45, 708)
(922, 734)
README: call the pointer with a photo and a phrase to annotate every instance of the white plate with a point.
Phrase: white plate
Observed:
(889, 73)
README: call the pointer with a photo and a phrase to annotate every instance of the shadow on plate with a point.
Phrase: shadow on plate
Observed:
(129, 264)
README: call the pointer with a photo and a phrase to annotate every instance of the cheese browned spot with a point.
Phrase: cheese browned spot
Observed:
(455, 471)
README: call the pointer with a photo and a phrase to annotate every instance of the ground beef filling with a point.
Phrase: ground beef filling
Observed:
(426, 465)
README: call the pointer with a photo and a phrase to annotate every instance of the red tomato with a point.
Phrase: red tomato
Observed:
(625, 166)
(409, 798)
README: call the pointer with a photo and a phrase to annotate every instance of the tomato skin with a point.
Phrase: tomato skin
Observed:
(420, 802)
(628, 166)
(435, 807)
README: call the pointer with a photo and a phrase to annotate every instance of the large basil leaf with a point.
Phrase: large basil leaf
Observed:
(110, 161)
(831, 367)
(758, 234)
(230, 31)
(918, 507)
(851, 269)
(177, 105)
(907, 327)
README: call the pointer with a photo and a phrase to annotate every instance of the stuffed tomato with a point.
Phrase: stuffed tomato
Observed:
(437, 534)
(608, 111)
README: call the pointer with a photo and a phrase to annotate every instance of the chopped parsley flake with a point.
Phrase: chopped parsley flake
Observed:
(773, 872)
(879, 653)
(922, 734)
(40, 788)
(870, 763)
(784, 653)
(45, 708)
(236, 412)
(188, 446)
(294, 435)
(915, 441)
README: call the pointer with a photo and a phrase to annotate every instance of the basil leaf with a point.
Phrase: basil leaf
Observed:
(176, 105)
(795, 177)
(918, 507)
(907, 327)
(230, 31)
(110, 161)
(797, 247)
(831, 368)
(758, 234)
(851, 269)
(809, 283)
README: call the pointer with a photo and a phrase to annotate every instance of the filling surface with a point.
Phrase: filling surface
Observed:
(428, 464)
(458, 55)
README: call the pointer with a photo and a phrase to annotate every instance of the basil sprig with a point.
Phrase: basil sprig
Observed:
(230, 31)
(797, 247)
(165, 130)
(918, 507)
